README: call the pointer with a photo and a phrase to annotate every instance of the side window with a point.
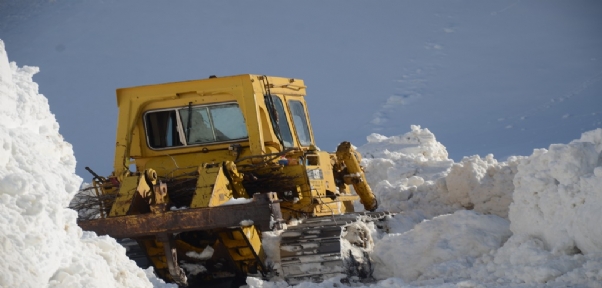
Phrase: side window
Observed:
(197, 128)
(282, 122)
(229, 123)
(216, 123)
(162, 129)
(195, 125)
(300, 122)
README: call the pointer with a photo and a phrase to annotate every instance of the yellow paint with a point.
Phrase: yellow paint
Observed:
(127, 191)
(355, 175)
(211, 188)
(244, 247)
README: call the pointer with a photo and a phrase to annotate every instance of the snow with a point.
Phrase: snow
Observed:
(204, 255)
(529, 221)
(463, 234)
(237, 201)
(558, 196)
(482, 184)
(40, 242)
(246, 222)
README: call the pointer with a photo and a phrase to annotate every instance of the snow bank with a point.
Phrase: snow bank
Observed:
(558, 196)
(416, 153)
(552, 198)
(40, 242)
(411, 172)
(482, 184)
(520, 262)
(448, 237)
(405, 172)
(528, 222)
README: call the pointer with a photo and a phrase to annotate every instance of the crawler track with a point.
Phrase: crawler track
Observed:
(313, 250)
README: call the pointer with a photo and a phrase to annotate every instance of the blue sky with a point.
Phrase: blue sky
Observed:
(501, 77)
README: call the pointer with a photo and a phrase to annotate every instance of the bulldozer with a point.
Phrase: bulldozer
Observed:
(203, 167)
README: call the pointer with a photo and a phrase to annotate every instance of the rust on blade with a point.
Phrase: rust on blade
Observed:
(259, 210)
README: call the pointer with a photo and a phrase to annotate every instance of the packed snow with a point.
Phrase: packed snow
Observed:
(527, 221)
(40, 242)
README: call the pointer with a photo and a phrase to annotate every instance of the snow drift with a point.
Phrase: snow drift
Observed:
(412, 173)
(558, 196)
(552, 199)
(40, 242)
(444, 238)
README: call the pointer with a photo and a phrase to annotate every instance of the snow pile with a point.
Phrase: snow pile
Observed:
(412, 173)
(416, 153)
(553, 238)
(558, 196)
(433, 232)
(405, 172)
(555, 214)
(40, 242)
(482, 184)
(463, 234)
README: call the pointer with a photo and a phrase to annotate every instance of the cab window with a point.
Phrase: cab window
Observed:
(195, 125)
(300, 121)
(282, 122)
(162, 129)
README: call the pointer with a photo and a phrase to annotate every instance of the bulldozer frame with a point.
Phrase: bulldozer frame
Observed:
(207, 165)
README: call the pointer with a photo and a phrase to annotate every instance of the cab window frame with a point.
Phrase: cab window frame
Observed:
(180, 126)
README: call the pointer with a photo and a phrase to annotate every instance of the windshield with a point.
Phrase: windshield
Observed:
(195, 125)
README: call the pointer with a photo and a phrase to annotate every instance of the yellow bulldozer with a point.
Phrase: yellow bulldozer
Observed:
(203, 167)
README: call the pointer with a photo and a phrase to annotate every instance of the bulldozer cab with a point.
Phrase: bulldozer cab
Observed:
(215, 119)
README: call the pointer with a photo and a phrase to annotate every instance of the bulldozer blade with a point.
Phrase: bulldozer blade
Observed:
(259, 210)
